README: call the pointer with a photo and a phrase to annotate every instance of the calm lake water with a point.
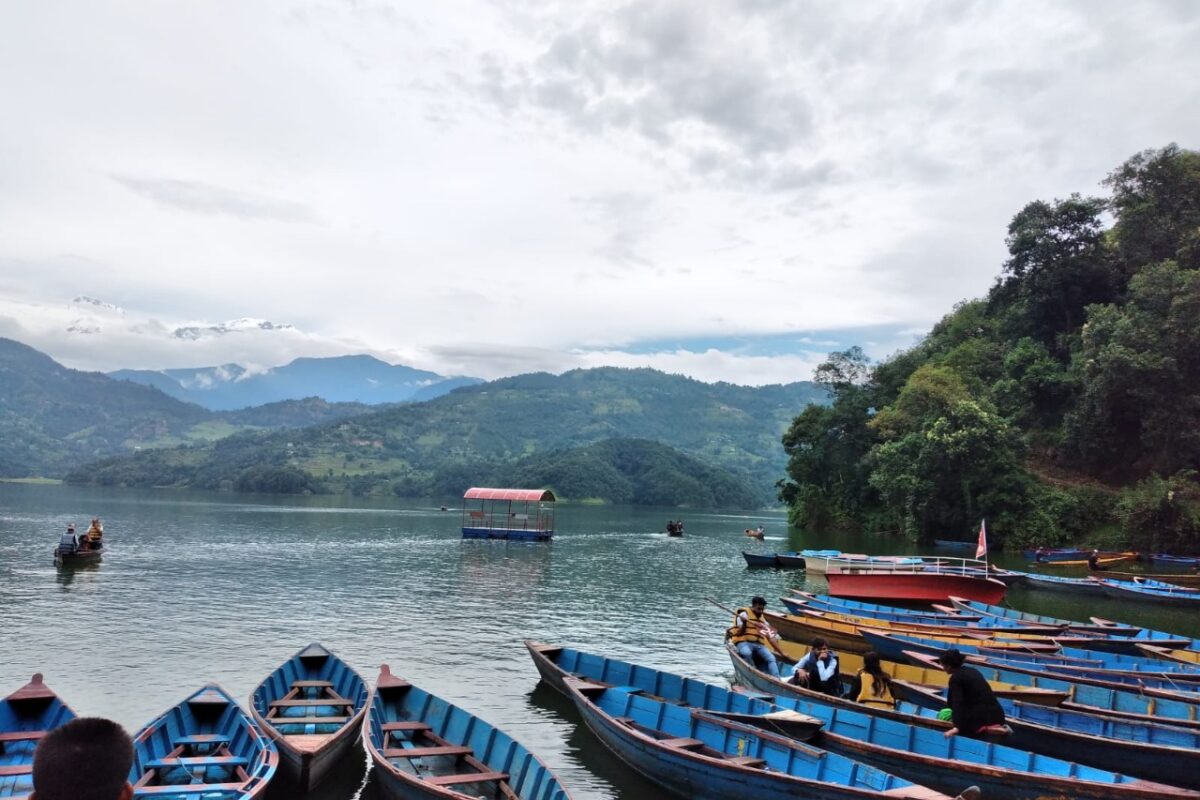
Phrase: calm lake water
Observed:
(223, 588)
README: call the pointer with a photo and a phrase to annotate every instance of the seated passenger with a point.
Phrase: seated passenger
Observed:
(751, 637)
(875, 685)
(818, 670)
(95, 535)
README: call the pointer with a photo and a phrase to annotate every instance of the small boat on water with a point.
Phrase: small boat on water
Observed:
(920, 753)
(1056, 583)
(1047, 554)
(312, 706)
(913, 583)
(790, 560)
(205, 747)
(703, 756)
(1177, 579)
(1137, 636)
(1147, 593)
(820, 561)
(72, 551)
(424, 747)
(26, 716)
(1164, 558)
(826, 603)
(754, 534)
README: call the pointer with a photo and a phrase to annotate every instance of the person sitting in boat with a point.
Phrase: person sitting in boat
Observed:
(760, 531)
(974, 709)
(1094, 562)
(874, 685)
(86, 759)
(95, 535)
(1039, 555)
(67, 543)
(818, 670)
(751, 636)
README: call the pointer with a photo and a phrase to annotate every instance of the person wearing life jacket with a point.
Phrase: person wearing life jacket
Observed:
(874, 685)
(95, 535)
(751, 636)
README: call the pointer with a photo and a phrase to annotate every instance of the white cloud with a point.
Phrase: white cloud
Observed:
(547, 178)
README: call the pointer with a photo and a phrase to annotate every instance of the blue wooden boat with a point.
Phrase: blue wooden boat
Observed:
(954, 544)
(1056, 554)
(699, 756)
(1153, 583)
(791, 560)
(423, 747)
(826, 603)
(921, 754)
(1142, 592)
(1163, 558)
(1078, 736)
(1091, 696)
(1099, 625)
(760, 559)
(1057, 583)
(1156, 752)
(26, 716)
(312, 706)
(205, 748)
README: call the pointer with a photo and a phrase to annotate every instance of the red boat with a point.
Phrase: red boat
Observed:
(916, 586)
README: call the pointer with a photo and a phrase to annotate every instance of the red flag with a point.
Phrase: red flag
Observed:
(981, 548)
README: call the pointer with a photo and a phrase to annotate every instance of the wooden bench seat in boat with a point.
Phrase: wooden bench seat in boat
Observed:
(406, 725)
(19, 769)
(198, 761)
(322, 701)
(311, 684)
(201, 738)
(681, 742)
(466, 777)
(190, 788)
(422, 752)
(747, 761)
(279, 721)
(22, 736)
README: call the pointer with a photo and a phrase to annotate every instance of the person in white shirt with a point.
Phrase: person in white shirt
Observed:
(818, 670)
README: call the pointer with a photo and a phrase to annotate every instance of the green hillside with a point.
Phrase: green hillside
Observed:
(1065, 406)
(433, 447)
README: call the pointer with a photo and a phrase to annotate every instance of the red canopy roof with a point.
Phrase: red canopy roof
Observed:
(528, 495)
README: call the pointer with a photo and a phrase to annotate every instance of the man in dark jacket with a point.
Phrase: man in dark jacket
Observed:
(974, 709)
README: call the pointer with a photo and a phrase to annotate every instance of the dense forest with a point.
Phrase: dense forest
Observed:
(1064, 406)
(530, 430)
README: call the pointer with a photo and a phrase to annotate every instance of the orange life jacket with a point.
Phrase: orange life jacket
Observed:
(753, 631)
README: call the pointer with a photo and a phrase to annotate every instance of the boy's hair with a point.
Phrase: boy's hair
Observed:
(86, 759)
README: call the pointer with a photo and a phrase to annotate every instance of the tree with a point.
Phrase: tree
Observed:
(1156, 197)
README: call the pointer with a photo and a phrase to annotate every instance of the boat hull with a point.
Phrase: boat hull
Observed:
(914, 587)
(78, 558)
(760, 559)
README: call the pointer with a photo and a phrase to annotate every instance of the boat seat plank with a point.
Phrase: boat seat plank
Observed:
(422, 752)
(19, 769)
(747, 761)
(281, 721)
(681, 742)
(21, 736)
(406, 725)
(466, 777)
(187, 788)
(201, 738)
(311, 684)
(326, 701)
(626, 720)
(198, 761)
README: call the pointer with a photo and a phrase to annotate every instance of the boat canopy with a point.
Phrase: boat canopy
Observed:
(520, 495)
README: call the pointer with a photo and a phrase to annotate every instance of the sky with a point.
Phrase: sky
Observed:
(728, 189)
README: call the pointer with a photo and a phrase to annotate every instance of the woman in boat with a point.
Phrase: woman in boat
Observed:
(818, 670)
(95, 535)
(874, 685)
(974, 709)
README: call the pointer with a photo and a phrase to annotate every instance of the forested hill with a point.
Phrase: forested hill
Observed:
(1064, 406)
(53, 419)
(435, 447)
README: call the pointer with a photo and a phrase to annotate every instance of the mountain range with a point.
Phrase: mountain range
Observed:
(339, 379)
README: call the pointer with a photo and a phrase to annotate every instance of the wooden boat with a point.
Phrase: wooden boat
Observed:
(204, 747)
(1057, 583)
(851, 663)
(1102, 561)
(819, 561)
(1056, 554)
(67, 553)
(312, 706)
(760, 559)
(1147, 750)
(424, 747)
(824, 602)
(1181, 656)
(700, 756)
(1164, 558)
(753, 534)
(992, 629)
(791, 560)
(1178, 596)
(1093, 697)
(954, 544)
(921, 754)
(1191, 580)
(26, 716)
(915, 586)
(1151, 583)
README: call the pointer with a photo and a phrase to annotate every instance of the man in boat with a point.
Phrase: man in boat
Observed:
(751, 636)
(818, 670)
(86, 759)
(974, 709)
(95, 535)
(1094, 562)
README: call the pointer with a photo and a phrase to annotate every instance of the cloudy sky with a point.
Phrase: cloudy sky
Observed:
(725, 189)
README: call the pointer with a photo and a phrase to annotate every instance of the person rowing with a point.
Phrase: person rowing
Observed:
(752, 636)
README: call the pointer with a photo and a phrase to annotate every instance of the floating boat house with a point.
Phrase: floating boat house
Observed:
(523, 514)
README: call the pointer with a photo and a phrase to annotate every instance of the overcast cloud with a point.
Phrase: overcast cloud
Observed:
(488, 188)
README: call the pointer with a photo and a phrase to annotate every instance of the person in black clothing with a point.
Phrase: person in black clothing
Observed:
(973, 706)
(1094, 562)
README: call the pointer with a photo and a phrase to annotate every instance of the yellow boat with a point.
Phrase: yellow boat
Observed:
(851, 663)
(1167, 654)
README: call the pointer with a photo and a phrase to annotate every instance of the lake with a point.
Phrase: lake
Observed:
(219, 587)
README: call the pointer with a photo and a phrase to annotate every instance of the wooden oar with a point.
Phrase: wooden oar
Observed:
(770, 641)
